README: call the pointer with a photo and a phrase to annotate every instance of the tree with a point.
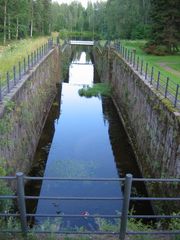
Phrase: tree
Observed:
(5, 20)
(127, 19)
(165, 24)
(46, 16)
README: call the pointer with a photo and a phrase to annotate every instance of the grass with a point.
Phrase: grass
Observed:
(15, 51)
(103, 224)
(96, 90)
(169, 65)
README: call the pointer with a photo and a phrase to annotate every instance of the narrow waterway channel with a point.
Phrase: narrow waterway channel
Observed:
(82, 138)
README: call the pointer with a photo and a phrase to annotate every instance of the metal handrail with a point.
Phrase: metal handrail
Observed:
(123, 216)
(161, 83)
(16, 74)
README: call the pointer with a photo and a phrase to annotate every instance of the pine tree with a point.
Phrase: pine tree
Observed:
(165, 24)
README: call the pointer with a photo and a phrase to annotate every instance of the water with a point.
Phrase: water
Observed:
(83, 137)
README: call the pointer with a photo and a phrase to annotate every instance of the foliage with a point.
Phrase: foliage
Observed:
(165, 26)
(96, 90)
(107, 225)
(138, 225)
(5, 205)
(16, 51)
(159, 50)
(64, 34)
(165, 64)
(127, 19)
(75, 18)
(21, 18)
(175, 224)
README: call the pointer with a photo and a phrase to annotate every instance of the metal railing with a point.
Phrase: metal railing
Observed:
(16, 74)
(161, 83)
(124, 216)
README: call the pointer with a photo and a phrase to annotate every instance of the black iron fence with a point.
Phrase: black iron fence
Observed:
(168, 88)
(16, 74)
(124, 216)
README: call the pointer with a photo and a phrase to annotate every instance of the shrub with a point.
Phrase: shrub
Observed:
(96, 90)
(5, 205)
(159, 50)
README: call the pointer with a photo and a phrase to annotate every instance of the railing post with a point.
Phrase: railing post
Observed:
(14, 75)
(137, 67)
(19, 70)
(24, 65)
(158, 79)
(125, 53)
(176, 97)
(28, 62)
(57, 40)
(152, 74)
(131, 58)
(8, 84)
(125, 208)
(45, 48)
(134, 58)
(34, 58)
(118, 47)
(48, 44)
(39, 50)
(142, 63)
(0, 90)
(146, 71)
(21, 201)
(31, 60)
(167, 84)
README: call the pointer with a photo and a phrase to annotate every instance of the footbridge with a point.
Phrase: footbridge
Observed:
(81, 43)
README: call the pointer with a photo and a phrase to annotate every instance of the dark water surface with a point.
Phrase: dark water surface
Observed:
(83, 137)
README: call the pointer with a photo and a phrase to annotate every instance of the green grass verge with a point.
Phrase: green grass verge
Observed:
(169, 66)
(15, 51)
(96, 90)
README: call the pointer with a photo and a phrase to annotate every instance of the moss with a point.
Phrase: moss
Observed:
(169, 105)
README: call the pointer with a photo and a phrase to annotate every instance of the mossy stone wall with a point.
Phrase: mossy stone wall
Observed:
(24, 111)
(152, 124)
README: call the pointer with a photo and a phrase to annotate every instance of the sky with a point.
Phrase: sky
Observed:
(83, 2)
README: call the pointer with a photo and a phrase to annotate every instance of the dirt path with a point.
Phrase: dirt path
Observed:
(166, 67)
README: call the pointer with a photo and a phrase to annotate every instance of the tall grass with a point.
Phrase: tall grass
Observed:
(14, 52)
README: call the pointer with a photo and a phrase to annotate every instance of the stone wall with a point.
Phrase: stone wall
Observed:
(151, 122)
(23, 113)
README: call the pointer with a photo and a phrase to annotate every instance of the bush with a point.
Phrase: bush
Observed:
(159, 50)
(5, 205)
(175, 225)
(97, 90)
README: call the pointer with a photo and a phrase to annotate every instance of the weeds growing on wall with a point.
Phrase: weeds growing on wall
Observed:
(5, 205)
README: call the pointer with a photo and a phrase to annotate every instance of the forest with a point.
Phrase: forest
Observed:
(155, 20)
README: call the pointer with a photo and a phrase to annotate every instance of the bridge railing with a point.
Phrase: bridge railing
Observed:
(168, 88)
(16, 74)
(123, 217)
